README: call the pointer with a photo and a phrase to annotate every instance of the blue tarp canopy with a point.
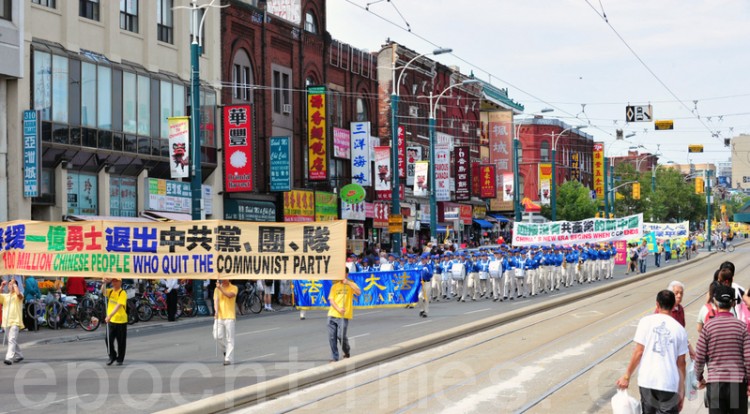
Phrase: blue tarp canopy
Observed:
(483, 223)
(498, 217)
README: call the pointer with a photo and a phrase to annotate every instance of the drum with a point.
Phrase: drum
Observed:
(483, 275)
(386, 267)
(458, 271)
(496, 269)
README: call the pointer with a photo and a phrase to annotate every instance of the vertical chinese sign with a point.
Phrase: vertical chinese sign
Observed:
(31, 154)
(487, 183)
(413, 154)
(360, 138)
(545, 178)
(401, 152)
(381, 213)
(383, 172)
(179, 147)
(575, 167)
(599, 169)
(299, 205)
(341, 143)
(238, 148)
(499, 129)
(280, 164)
(442, 174)
(316, 133)
(461, 174)
(420, 178)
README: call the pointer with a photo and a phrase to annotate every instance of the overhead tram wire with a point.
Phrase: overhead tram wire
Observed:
(606, 20)
(477, 67)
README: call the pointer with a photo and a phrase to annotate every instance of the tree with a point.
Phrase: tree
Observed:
(574, 202)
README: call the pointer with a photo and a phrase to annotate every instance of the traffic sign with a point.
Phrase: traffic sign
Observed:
(664, 125)
(638, 113)
(695, 148)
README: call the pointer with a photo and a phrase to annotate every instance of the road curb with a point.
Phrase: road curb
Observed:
(283, 385)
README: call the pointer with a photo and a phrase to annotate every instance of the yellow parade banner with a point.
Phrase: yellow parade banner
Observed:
(209, 249)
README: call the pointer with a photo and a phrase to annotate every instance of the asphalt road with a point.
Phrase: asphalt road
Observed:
(175, 364)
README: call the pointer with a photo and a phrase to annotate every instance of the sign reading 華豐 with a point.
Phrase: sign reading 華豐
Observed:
(184, 250)
(591, 230)
(379, 290)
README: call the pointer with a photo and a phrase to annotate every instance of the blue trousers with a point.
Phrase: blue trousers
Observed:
(337, 328)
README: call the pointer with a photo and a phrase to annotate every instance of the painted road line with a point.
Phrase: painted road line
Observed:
(255, 332)
(418, 323)
(476, 311)
(359, 336)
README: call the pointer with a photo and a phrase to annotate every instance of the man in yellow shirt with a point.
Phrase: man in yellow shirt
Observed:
(225, 298)
(12, 319)
(116, 320)
(341, 311)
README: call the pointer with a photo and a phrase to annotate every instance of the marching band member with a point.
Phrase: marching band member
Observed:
(612, 254)
(520, 274)
(426, 271)
(496, 271)
(437, 278)
(530, 267)
(447, 283)
(484, 273)
(468, 267)
(509, 276)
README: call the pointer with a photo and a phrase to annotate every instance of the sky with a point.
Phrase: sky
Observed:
(562, 54)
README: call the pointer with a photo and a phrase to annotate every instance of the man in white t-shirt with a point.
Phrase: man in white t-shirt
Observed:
(661, 344)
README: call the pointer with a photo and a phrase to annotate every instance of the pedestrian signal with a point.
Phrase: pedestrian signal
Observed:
(636, 191)
(699, 185)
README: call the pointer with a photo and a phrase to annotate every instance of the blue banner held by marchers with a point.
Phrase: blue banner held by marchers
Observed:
(379, 290)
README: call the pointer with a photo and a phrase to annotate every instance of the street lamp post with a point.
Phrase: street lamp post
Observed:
(516, 173)
(395, 201)
(708, 207)
(554, 167)
(433, 186)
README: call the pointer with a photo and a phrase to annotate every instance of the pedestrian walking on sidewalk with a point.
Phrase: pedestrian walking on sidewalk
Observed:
(12, 319)
(116, 320)
(642, 255)
(724, 344)
(341, 312)
(172, 284)
(661, 345)
(225, 299)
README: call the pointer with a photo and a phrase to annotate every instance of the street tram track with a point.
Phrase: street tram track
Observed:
(581, 304)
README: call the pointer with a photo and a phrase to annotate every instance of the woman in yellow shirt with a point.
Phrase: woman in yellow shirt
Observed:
(12, 319)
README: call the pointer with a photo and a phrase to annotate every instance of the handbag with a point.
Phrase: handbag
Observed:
(622, 403)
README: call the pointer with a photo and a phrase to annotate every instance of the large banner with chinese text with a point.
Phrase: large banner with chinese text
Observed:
(208, 249)
(500, 132)
(668, 230)
(379, 290)
(599, 169)
(568, 232)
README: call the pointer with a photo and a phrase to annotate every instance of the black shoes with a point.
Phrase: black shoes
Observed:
(7, 362)
(17, 360)
(110, 362)
(119, 363)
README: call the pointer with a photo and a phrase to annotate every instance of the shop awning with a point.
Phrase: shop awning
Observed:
(499, 217)
(74, 217)
(165, 216)
(483, 223)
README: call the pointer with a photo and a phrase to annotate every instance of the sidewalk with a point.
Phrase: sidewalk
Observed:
(46, 335)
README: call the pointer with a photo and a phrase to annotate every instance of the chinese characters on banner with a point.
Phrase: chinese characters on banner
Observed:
(168, 195)
(466, 213)
(341, 143)
(353, 211)
(591, 230)
(299, 206)
(179, 146)
(317, 143)
(199, 249)
(383, 173)
(401, 152)
(461, 175)
(238, 148)
(420, 179)
(545, 178)
(31, 154)
(599, 169)
(413, 154)
(507, 188)
(575, 167)
(379, 290)
(442, 174)
(487, 184)
(499, 130)
(360, 138)
(280, 165)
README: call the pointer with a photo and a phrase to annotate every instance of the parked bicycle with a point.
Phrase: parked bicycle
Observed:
(249, 299)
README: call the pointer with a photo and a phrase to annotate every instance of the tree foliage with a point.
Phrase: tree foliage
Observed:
(574, 202)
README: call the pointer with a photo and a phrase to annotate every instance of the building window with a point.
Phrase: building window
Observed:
(310, 25)
(129, 96)
(544, 151)
(47, 3)
(144, 105)
(60, 81)
(277, 91)
(281, 93)
(88, 95)
(129, 15)
(89, 9)
(164, 21)
(104, 97)
(5, 9)
(361, 110)
(242, 77)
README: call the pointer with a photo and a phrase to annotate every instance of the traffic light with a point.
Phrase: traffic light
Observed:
(636, 191)
(699, 185)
